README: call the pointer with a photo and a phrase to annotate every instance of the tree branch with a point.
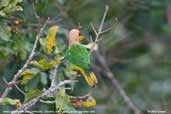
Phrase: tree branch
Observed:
(101, 24)
(99, 32)
(108, 73)
(35, 13)
(19, 72)
(31, 103)
(53, 76)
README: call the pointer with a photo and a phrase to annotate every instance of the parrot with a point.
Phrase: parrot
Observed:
(78, 55)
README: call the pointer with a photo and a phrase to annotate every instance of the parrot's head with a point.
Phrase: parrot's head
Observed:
(74, 37)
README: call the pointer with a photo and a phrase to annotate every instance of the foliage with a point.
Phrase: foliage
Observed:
(9, 6)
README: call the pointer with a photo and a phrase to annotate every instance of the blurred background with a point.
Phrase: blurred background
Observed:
(136, 48)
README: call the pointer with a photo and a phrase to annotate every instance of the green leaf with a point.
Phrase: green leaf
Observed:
(8, 101)
(28, 74)
(70, 72)
(32, 94)
(43, 78)
(78, 55)
(9, 6)
(3, 55)
(61, 100)
(23, 54)
(2, 13)
(46, 64)
(4, 3)
(43, 42)
(5, 33)
(43, 64)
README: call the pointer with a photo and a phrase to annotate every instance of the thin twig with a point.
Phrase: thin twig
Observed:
(35, 13)
(93, 27)
(108, 29)
(19, 72)
(101, 24)
(53, 76)
(20, 90)
(5, 93)
(31, 103)
(99, 32)
(25, 111)
(47, 102)
(80, 97)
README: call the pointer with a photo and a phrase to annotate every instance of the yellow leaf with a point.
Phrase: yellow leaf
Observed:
(90, 102)
(56, 61)
(27, 74)
(51, 38)
(47, 64)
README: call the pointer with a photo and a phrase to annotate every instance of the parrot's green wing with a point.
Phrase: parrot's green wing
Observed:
(78, 55)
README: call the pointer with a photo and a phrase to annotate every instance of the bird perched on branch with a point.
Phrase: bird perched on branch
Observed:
(78, 55)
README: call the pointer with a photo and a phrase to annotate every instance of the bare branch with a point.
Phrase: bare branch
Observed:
(100, 28)
(53, 75)
(108, 73)
(5, 93)
(31, 103)
(20, 90)
(53, 78)
(47, 102)
(108, 29)
(80, 97)
(19, 72)
(35, 13)
(101, 24)
(93, 27)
